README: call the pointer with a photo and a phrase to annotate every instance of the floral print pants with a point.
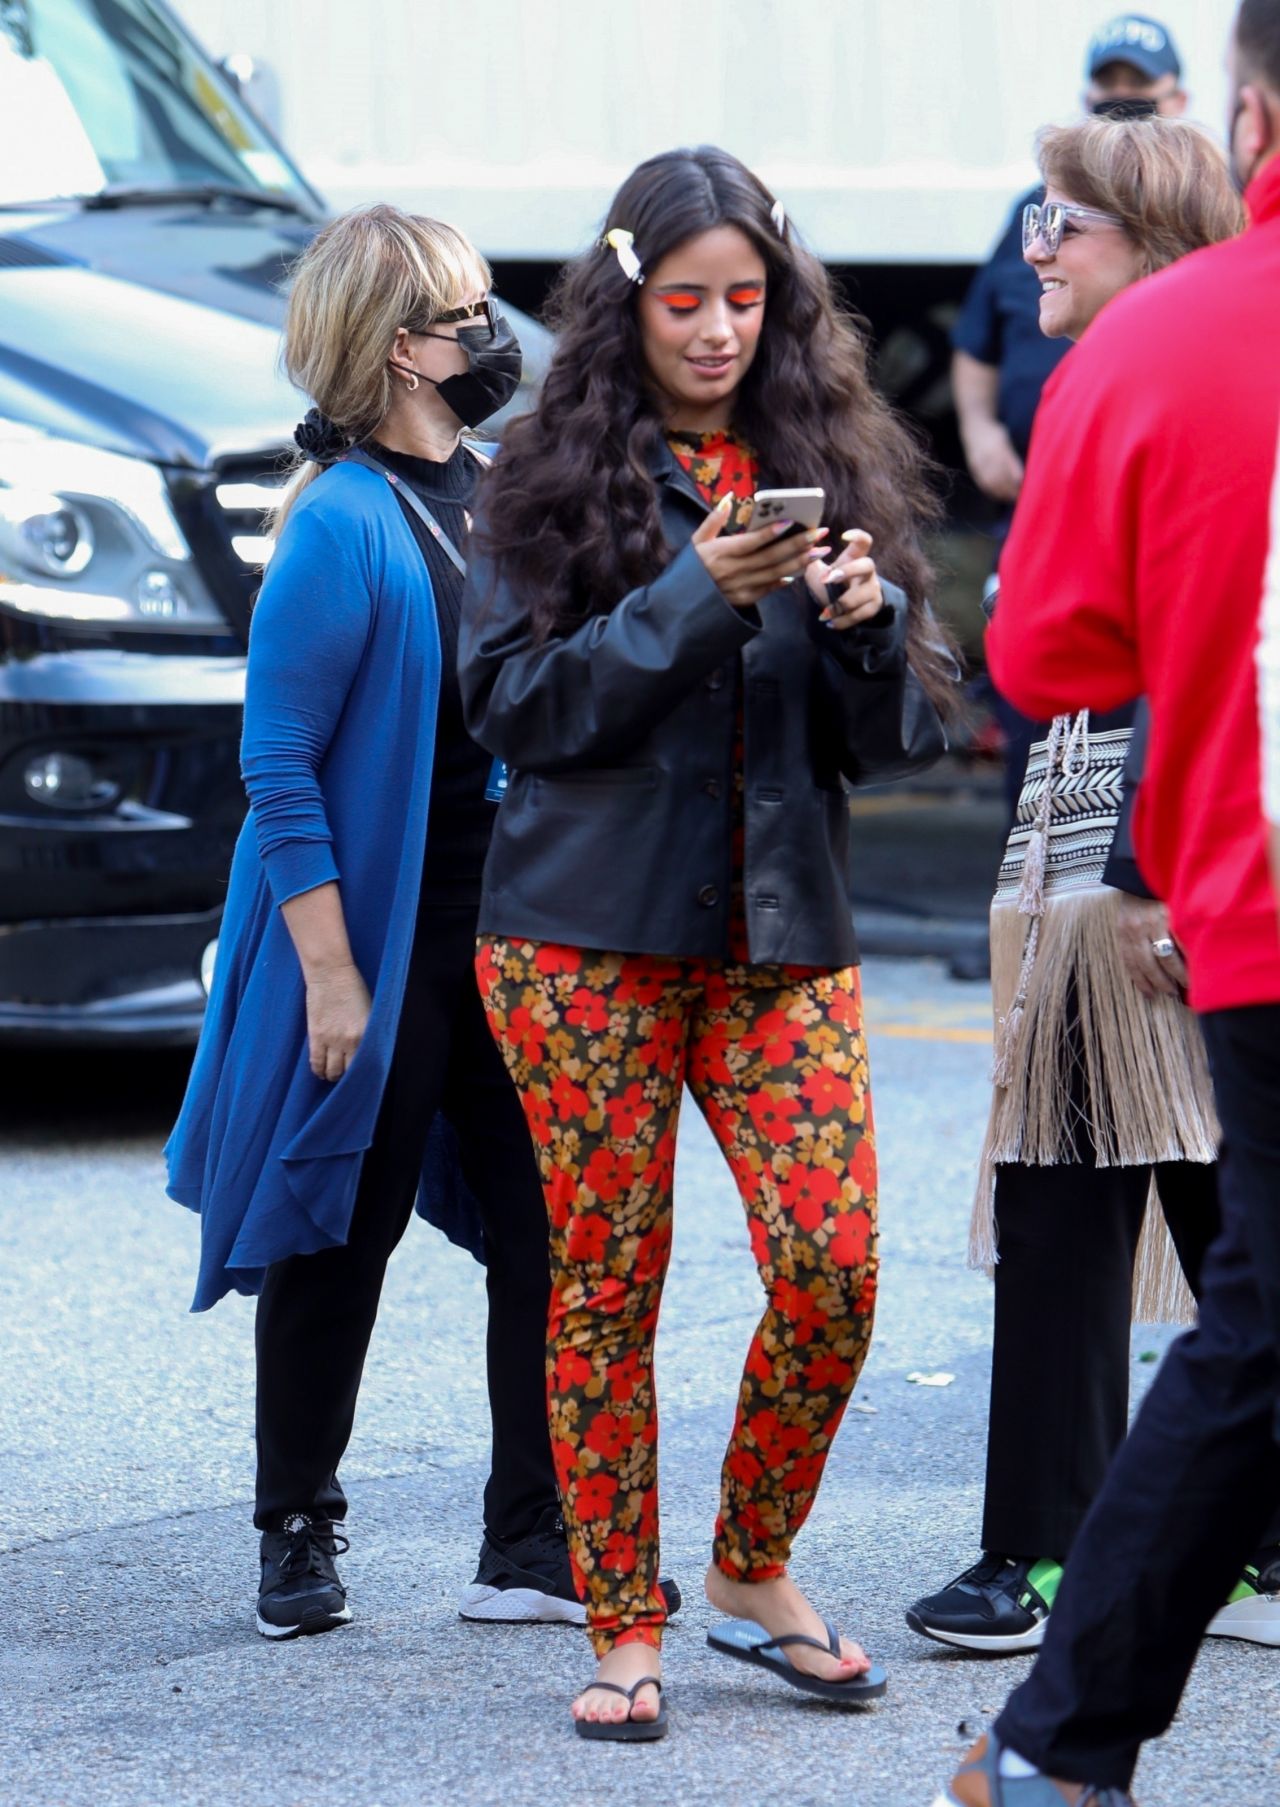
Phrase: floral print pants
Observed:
(600, 1046)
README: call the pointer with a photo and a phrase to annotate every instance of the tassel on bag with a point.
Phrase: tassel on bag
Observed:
(1031, 891)
(1031, 897)
(1010, 1028)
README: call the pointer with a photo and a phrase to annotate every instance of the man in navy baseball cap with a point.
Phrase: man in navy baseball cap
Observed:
(1133, 57)
(1001, 358)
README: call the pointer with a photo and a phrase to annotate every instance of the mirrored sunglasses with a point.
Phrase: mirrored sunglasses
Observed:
(1049, 222)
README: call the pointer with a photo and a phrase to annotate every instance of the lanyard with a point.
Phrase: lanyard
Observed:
(419, 507)
(496, 788)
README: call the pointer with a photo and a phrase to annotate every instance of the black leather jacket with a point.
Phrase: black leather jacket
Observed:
(616, 828)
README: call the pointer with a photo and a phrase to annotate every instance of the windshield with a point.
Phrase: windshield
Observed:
(103, 94)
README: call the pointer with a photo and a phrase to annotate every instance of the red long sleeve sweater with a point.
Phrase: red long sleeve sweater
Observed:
(1135, 567)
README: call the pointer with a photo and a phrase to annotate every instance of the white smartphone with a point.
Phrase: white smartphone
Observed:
(803, 506)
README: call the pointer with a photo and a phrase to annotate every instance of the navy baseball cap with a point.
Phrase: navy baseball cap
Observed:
(1133, 38)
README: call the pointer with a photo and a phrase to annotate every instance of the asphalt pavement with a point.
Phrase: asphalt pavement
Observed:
(130, 1670)
(926, 856)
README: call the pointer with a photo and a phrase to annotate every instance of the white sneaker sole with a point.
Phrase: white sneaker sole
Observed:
(484, 1605)
(312, 1623)
(1256, 1621)
(1006, 1646)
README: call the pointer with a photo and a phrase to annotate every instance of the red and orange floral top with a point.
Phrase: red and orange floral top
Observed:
(722, 464)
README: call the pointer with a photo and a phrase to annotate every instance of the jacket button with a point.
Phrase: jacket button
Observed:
(712, 787)
(715, 681)
(708, 897)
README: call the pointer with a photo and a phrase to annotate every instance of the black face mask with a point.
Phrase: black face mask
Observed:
(492, 376)
(1128, 106)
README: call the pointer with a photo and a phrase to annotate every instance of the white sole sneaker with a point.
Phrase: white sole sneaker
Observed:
(312, 1623)
(1255, 1620)
(1004, 1646)
(485, 1605)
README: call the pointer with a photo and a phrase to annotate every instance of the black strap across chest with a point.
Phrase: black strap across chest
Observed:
(357, 456)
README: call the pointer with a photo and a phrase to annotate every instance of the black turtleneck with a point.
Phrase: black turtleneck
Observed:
(461, 818)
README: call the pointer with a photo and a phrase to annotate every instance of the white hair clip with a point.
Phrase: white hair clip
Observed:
(622, 244)
(778, 214)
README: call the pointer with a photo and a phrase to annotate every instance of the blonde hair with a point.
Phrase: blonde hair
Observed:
(370, 271)
(1164, 179)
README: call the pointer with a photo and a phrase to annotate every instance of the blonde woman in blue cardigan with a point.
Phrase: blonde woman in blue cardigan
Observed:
(345, 1068)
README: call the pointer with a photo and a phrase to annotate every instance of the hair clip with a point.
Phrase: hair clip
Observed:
(622, 244)
(778, 214)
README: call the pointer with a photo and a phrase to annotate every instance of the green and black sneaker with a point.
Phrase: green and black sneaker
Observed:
(998, 1607)
(1253, 1610)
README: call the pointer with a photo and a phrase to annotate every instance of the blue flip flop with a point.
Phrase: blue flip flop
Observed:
(751, 1643)
(628, 1730)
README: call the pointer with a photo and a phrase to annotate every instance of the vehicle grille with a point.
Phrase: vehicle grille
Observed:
(224, 513)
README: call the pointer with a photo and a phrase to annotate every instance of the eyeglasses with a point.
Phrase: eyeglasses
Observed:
(1050, 222)
(475, 313)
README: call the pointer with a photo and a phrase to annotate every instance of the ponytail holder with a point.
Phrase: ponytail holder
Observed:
(622, 244)
(319, 438)
(778, 214)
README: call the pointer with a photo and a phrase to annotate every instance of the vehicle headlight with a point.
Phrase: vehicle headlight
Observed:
(88, 535)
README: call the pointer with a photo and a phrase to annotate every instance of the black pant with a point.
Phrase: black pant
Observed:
(1188, 1496)
(316, 1312)
(1060, 1355)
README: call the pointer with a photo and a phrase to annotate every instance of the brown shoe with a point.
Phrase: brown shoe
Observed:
(978, 1783)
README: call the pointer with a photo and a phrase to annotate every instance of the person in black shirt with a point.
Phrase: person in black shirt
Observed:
(392, 330)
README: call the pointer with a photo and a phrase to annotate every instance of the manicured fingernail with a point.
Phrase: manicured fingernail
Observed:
(725, 502)
(782, 527)
(815, 533)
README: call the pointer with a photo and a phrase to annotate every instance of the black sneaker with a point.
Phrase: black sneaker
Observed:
(301, 1592)
(999, 1606)
(529, 1582)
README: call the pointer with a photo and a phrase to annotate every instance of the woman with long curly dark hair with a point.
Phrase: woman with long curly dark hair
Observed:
(667, 899)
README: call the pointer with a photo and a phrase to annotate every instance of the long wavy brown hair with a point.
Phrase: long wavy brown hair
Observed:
(570, 510)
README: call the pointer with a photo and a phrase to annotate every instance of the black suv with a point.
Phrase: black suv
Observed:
(147, 222)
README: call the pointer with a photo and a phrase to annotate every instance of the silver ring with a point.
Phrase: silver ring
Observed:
(791, 579)
(1165, 948)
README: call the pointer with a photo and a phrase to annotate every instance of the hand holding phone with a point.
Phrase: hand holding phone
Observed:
(745, 567)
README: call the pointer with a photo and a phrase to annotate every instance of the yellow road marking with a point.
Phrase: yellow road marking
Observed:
(925, 1032)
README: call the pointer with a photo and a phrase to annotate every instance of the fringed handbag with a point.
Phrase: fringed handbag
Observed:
(1066, 1009)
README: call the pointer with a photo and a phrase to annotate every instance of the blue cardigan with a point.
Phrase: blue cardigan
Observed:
(339, 735)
